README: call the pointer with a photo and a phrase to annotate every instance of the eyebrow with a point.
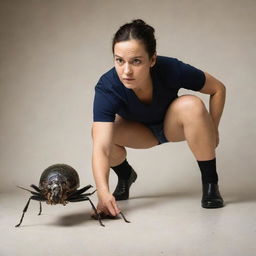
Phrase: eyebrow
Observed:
(131, 58)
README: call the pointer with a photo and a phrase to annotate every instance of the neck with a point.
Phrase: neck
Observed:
(145, 94)
(145, 88)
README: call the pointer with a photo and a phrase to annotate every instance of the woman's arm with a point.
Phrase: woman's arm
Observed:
(102, 134)
(217, 92)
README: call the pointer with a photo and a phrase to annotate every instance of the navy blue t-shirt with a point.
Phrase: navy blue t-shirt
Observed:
(168, 76)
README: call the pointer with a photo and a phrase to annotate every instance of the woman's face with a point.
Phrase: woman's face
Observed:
(132, 63)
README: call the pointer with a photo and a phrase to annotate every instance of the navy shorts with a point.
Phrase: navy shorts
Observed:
(158, 131)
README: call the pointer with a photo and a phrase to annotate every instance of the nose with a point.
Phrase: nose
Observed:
(127, 69)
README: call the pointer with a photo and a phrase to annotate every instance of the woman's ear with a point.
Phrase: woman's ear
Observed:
(153, 60)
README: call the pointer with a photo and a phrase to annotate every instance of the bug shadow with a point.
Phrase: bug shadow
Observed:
(72, 219)
(75, 219)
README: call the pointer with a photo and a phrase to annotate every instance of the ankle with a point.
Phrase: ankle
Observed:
(208, 171)
(123, 170)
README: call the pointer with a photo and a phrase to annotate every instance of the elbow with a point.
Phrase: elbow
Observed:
(221, 88)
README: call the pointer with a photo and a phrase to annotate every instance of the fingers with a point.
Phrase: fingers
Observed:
(116, 209)
(112, 208)
(108, 207)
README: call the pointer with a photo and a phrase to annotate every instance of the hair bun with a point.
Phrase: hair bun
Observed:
(139, 22)
(137, 29)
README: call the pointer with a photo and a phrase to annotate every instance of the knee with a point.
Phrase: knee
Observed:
(190, 105)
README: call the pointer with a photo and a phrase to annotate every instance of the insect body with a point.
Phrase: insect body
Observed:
(59, 185)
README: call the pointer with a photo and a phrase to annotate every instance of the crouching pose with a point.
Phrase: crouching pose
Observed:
(136, 105)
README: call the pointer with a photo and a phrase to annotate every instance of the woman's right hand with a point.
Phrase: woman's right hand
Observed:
(107, 204)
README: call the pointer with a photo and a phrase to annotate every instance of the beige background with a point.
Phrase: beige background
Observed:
(52, 53)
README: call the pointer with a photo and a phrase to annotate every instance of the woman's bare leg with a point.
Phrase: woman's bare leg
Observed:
(127, 134)
(132, 135)
(188, 119)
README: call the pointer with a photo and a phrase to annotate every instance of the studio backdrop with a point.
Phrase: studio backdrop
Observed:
(52, 53)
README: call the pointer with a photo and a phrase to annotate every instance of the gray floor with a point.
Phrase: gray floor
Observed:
(170, 224)
(55, 51)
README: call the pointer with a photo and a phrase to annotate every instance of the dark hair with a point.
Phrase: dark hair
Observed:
(138, 30)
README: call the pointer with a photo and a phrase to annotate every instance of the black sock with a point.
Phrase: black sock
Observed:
(208, 171)
(123, 170)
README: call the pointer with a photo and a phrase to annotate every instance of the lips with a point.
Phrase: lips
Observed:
(128, 79)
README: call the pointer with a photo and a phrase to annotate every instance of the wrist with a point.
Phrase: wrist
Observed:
(102, 191)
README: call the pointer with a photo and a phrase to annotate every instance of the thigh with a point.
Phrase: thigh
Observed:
(173, 127)
(133, 134)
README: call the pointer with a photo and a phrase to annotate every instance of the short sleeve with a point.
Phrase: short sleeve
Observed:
(105, 105)
(190, 77)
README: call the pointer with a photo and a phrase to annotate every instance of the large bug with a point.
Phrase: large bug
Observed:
(58, 185)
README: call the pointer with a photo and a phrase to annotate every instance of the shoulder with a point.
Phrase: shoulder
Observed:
(166, 68)
(106, 99)
(166, 64)
(170, 66)
(108, 79)
(110, 86)
(166, 60)
(186, 75)
(180, 73)
(110, 82)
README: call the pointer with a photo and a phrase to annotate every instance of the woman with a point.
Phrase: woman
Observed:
(136, 105)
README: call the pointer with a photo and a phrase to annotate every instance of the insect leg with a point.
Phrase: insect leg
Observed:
(75, 196)
(26, 207)
(81, 198)
(40, 208)
(32, 192)
(40, 197)
(89, 194)
(99, 218)
(124, 218)
(35, 188)
(80, 191)
(24, 210)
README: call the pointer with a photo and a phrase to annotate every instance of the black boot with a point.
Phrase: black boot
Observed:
(211, 196)
(122, 189)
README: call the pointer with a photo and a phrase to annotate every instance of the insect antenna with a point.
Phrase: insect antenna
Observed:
(32, 192)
